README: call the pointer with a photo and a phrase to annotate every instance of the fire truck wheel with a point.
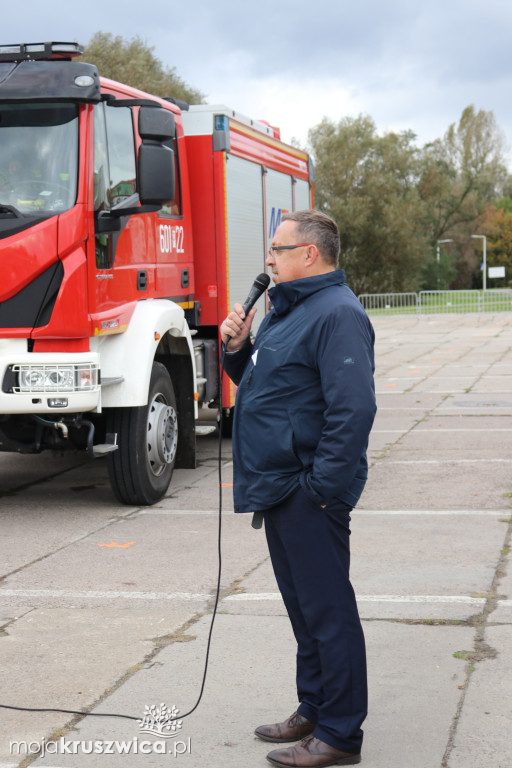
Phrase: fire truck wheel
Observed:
(141, 469)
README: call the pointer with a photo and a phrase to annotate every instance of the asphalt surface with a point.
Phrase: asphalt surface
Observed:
(108, 608)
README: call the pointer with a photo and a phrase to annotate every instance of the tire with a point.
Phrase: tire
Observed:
(140, 470)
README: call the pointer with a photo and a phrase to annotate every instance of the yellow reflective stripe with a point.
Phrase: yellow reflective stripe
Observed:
(277, 143)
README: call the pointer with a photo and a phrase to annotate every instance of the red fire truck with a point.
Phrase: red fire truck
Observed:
(129, 225)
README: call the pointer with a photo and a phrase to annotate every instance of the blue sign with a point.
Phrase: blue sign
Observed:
(275, 220)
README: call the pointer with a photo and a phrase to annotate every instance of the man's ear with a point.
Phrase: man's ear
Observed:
(312, 255)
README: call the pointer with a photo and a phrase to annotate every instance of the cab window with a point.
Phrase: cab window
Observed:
(115, 175)
(174, 207)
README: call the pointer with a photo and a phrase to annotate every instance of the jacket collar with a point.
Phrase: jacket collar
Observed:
(285, 295)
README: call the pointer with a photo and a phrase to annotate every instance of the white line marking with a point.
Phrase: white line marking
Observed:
(439, 429)
(250, 596)
(475, 393)
(213, 512)
(181, 511)
(403, 408)
(434, 377)
(485, 430)
(459, 392)
(389, 431)
(103, 595)
(254, 596)
(415, 391)
(421, 599)
(245, 596)
(433, 512)
(450, 461)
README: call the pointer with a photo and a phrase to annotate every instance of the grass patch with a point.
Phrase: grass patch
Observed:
(464, 655)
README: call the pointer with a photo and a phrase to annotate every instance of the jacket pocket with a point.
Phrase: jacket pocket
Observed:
(306, 432)
(280, 451)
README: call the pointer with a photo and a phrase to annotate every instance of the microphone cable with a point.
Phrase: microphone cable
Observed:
(216, 602)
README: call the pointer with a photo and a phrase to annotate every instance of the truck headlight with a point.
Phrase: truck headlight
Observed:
(81, 377)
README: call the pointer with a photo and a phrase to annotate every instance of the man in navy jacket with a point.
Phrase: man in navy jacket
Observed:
(304, 409)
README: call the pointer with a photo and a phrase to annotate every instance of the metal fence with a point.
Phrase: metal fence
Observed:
(390, 303)
(438, 302)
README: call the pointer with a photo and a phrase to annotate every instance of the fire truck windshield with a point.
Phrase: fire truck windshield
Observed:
(38, 157)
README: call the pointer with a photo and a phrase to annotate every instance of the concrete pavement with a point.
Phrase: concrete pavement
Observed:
(110, 607)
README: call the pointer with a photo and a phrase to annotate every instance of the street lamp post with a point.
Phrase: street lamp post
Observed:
(449, 240)
(483, 237)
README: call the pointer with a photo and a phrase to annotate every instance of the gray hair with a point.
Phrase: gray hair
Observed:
(320, 230)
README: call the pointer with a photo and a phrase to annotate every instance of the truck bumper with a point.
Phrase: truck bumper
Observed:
(47, 382)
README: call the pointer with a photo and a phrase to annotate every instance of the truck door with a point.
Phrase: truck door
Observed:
(174, 254)
(120, 256)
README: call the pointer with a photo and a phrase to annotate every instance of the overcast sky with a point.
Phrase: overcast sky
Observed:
(409, 64)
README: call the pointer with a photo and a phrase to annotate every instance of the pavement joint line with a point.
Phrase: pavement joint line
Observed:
(482, 650)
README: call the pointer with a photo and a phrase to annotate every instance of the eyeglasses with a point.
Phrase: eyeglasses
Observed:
(275, 248)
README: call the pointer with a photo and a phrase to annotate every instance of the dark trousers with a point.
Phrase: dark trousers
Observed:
(310, 552)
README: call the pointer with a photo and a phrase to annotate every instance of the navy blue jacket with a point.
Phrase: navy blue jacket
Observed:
(306, 401)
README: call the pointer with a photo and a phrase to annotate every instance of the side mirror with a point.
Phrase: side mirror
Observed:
(156, 123)
(156, 174)
(156, 178)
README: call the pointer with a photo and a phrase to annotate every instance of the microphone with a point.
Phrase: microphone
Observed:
(258, 287)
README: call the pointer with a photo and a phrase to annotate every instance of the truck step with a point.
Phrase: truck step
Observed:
(102, 449)
(205, 429)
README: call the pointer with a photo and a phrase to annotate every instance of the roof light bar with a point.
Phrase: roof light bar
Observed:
(25, 51)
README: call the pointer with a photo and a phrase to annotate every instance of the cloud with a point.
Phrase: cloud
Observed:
(407, 65)
(293, 106)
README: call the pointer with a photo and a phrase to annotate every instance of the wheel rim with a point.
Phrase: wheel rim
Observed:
(162, 434)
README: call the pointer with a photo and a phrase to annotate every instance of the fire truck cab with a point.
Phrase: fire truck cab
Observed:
(129, 224)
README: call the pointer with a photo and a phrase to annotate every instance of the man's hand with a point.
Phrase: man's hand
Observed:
(236, 327)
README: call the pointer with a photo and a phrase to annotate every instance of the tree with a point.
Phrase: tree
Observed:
(393, 201)
(368, 184)
(439, 275)
(133, 62)
(460, 175)
(498, 225)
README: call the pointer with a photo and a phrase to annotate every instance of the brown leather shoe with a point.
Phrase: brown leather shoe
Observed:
(311, 753)
(293, 729)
